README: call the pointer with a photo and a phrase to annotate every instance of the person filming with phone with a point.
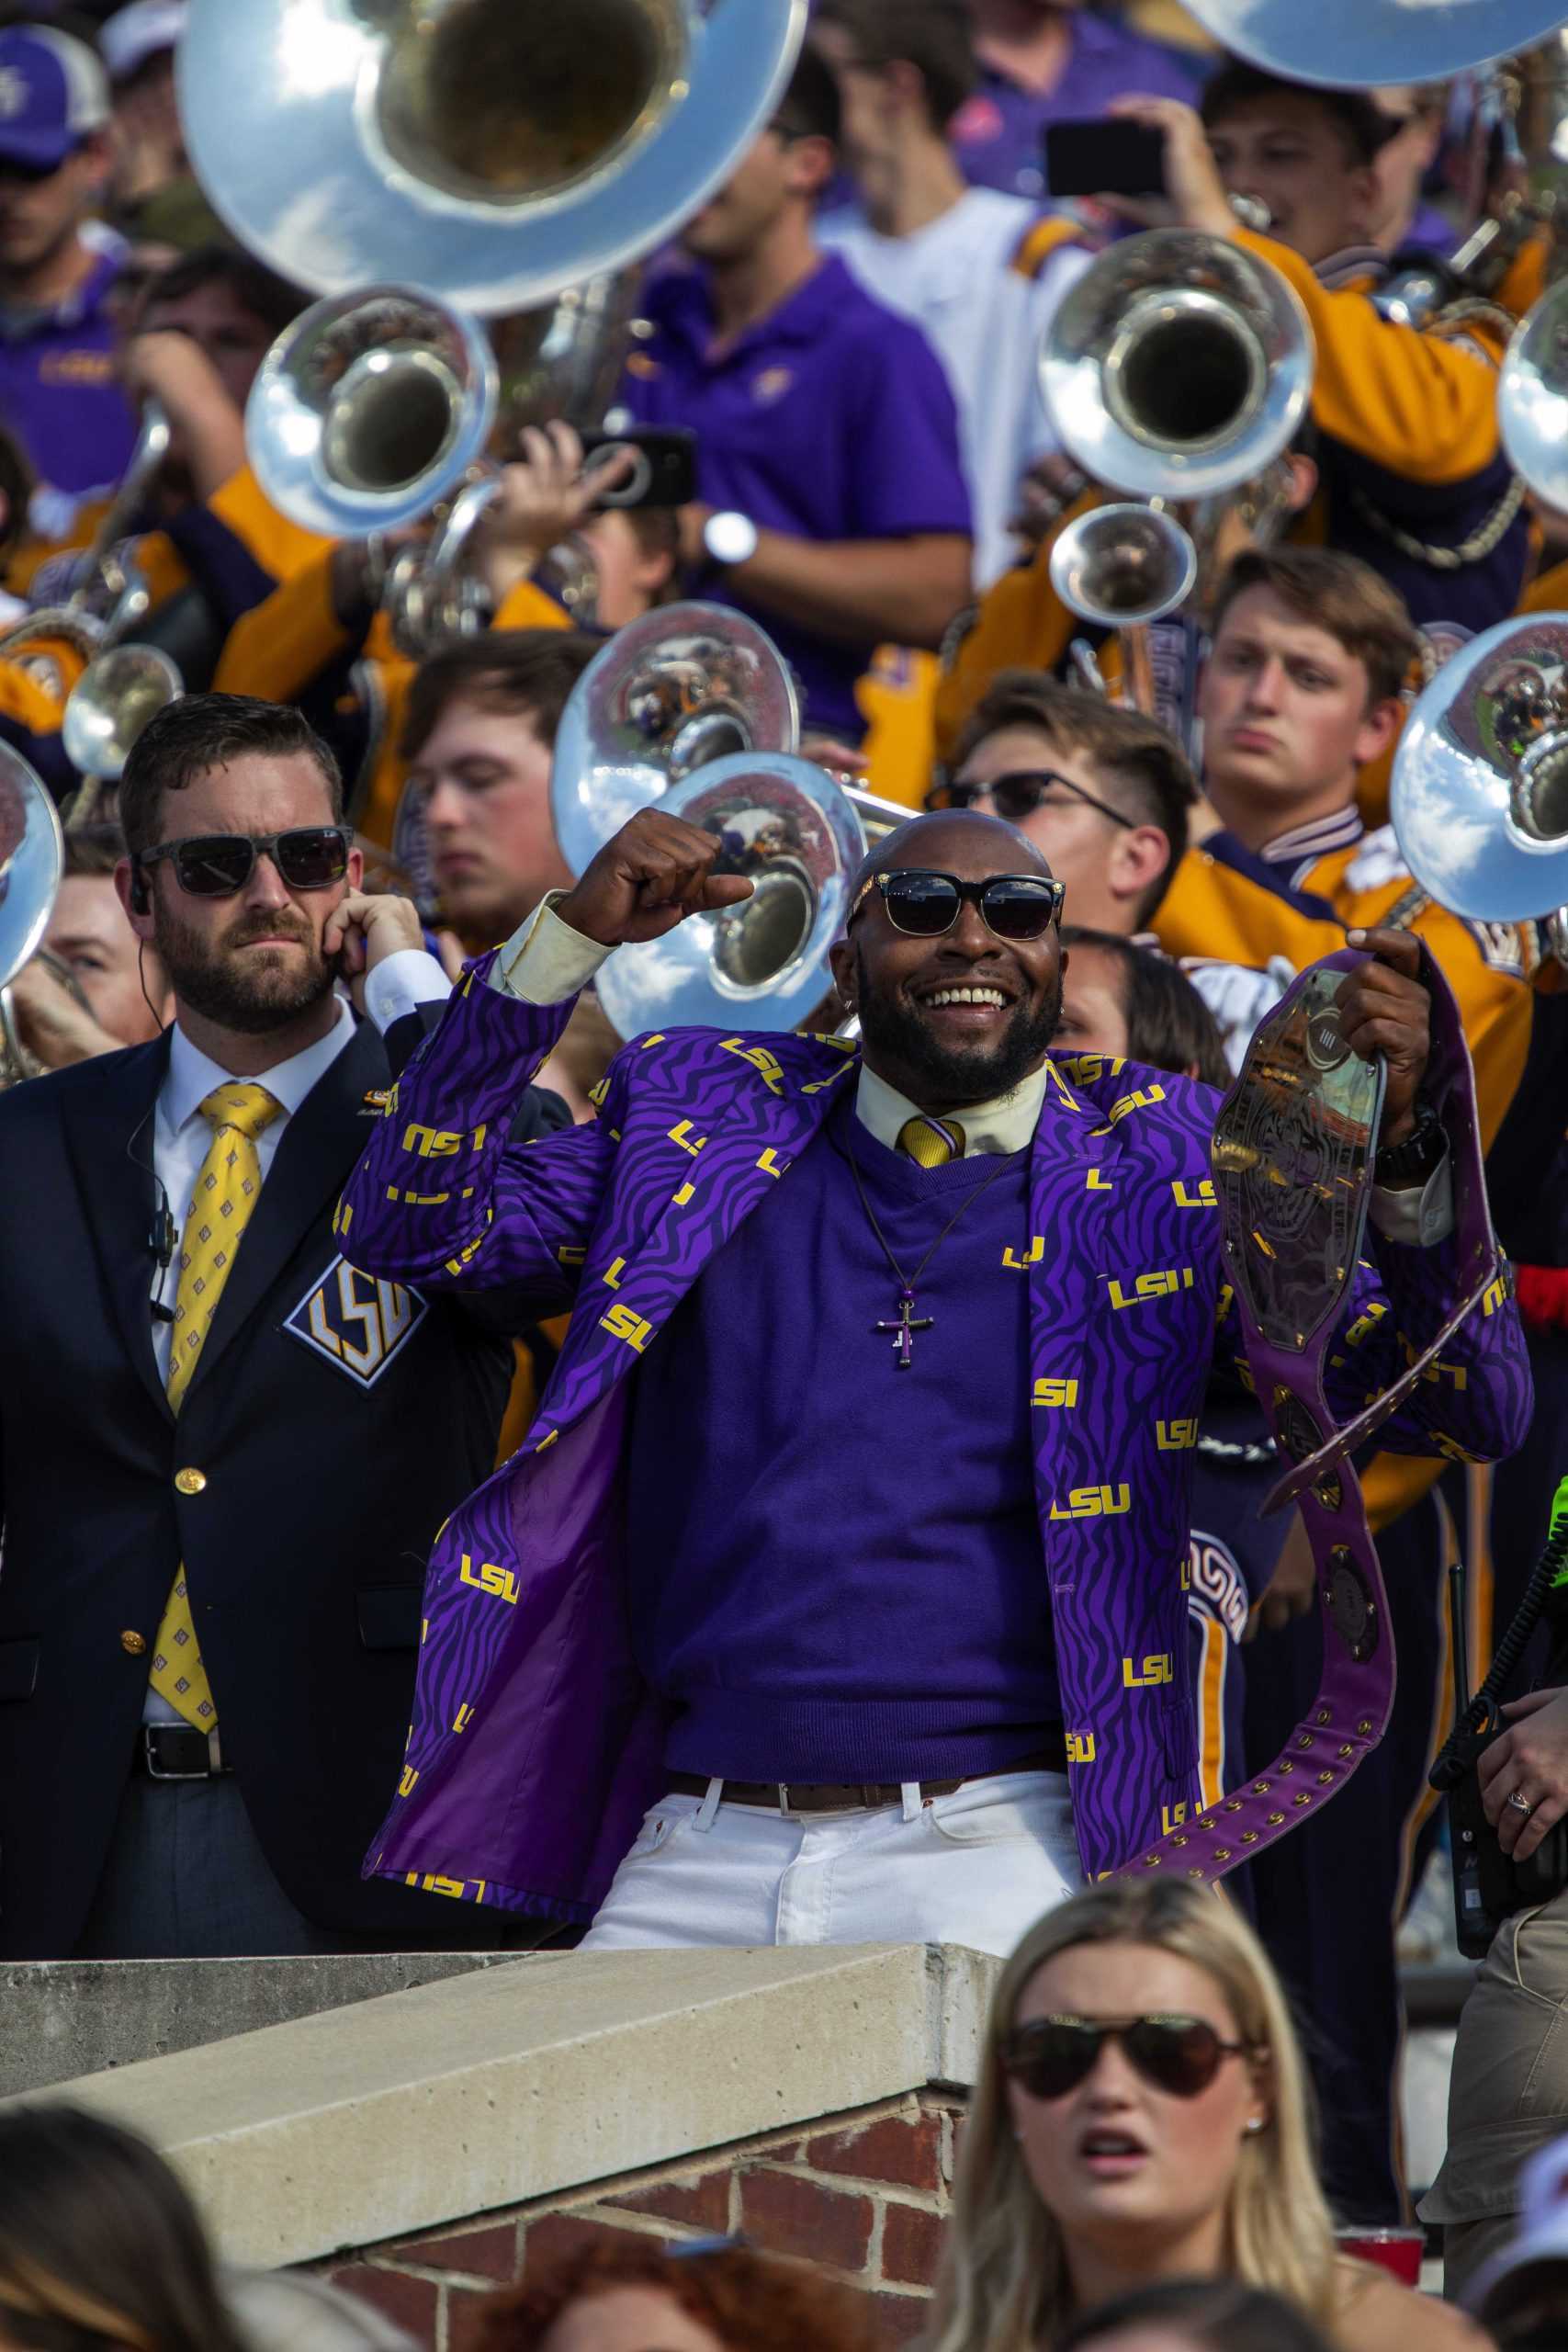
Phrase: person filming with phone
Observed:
(206, 1687)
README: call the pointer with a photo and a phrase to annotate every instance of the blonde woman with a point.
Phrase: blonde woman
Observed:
(1141, 2114)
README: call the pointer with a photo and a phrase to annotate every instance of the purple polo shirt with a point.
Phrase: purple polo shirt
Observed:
(58, 390)
(997, 133)
(830, 420)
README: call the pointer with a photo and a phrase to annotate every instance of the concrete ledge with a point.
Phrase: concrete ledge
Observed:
(463, 2097)
(79, 2017)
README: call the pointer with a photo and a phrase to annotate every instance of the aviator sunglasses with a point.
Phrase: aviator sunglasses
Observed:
(1050, 2056)
(924, 904)
(216, 865)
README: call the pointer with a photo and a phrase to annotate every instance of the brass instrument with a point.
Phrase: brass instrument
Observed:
(103, 576)
(1479, 792)
(370, 408)
(501, 150)
(1126, 566)
(1178, 365)
(694, 707)
(798, 835)
(122, 689)
(1532, 398)
(32, 861)
(684, 685)
(1368, 44)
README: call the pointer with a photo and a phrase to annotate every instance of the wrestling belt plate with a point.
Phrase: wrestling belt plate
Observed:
(1292, 1155)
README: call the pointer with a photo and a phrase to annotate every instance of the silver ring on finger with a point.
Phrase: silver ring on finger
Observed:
(1519, 1803)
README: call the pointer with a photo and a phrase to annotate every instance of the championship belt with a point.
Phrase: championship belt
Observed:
(1292, 1152)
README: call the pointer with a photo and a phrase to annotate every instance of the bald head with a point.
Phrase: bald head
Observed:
(952, 840)
(961, 1013)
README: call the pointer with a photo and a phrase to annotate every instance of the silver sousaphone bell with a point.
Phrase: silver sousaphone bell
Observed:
(501, 150)
(684, 685)
(369, 408)
(797, 837)
(1178, 367)
(1362, 44)
(116, 696)
(1533, 396)
(32, 861)
(1123, 566)
(1479, 792)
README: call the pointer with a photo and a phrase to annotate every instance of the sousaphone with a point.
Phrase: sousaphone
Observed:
(1479, 792)
(685, 685)
(1178, 367)
(500, 150)
(1363, 44)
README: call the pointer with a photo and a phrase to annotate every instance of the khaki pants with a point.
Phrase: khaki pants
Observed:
(1509, 2091)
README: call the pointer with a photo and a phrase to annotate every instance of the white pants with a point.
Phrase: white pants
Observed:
(976, 1866)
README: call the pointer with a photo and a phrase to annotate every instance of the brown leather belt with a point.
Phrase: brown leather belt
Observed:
(849, 1796)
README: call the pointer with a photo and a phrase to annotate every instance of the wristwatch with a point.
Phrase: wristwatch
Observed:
(1411, 1163)
(729, 537)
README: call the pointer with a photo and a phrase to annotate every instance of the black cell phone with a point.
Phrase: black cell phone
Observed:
(665, 472)
(1104, 156)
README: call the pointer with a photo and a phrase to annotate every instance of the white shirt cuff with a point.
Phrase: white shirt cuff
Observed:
(545, 961)
(1417, 1218)
(400, 984)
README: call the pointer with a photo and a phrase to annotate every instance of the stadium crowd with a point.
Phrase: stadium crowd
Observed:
(638, 1484)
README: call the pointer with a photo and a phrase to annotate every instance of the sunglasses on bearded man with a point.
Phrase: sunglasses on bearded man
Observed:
(923, 903)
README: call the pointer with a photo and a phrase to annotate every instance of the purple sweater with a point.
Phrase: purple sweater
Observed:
(871, 1601)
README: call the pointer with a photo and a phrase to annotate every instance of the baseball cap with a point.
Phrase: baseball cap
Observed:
(52, 91)
(1541, 2241)
(133, 35)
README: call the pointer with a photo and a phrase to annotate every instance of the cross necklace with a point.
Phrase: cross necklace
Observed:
(907, 1323)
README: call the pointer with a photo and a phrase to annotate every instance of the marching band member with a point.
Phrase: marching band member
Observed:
(1414, 479)
(767, 1644)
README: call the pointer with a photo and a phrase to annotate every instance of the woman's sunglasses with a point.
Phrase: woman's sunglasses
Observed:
(216, 865)
(1050, 2056)
(924, 905)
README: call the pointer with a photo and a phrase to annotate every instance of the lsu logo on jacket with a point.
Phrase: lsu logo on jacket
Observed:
(359, 1323)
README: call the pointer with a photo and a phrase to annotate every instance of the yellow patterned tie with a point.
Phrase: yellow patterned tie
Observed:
(227, 1189)
(932, 1142)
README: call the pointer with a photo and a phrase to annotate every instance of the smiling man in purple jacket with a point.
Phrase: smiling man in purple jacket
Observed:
(847, 1552)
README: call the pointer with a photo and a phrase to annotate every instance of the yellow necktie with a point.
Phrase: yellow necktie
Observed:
(227, 1189)
(932, 1142)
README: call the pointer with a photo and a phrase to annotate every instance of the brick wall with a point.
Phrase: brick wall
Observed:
(865, 2196)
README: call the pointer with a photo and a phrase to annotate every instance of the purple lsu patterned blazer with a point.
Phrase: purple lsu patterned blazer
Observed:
(535, 1746)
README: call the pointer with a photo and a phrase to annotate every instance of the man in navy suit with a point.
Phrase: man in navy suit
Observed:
(224, 1453)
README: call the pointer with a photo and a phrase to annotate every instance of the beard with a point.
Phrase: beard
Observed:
(267, 991)
(894, 1032)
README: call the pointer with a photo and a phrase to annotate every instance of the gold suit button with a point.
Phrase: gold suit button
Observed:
(191, 1482)
(132, 1644)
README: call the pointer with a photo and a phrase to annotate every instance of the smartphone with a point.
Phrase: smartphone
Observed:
(1104, 156)
(666, 470)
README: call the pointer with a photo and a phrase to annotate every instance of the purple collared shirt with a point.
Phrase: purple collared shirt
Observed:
(59, 392)
(997, 133)
(830, 420)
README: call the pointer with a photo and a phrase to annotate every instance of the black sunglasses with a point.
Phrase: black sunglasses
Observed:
(215, 865)
(1050, 2056)
(925, 904)
(1018, 795)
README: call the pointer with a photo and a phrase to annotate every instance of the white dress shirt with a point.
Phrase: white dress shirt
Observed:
(181, 1136)
(545, 961)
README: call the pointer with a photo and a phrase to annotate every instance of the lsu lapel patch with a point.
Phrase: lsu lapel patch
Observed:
(356, 1322)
